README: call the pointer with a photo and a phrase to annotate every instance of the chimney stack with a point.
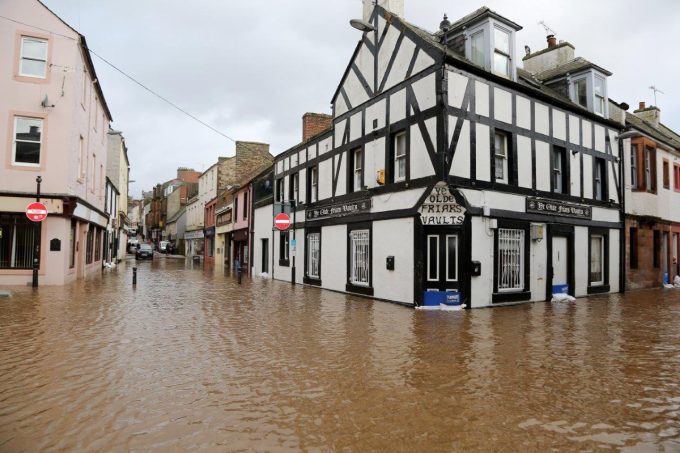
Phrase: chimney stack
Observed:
(650, 114)
(315, 123)
(552, 41)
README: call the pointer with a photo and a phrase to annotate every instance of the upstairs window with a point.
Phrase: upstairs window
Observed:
(33, 57)
(501, 157)
(501, 55)
(279, 190)
(559, 170)
(313, 184)
(27, 141)
(633, 167)
(600, 183)
(245, 206)
(400, 157)
(356, 175)
(477, 48)
(650, 169)
(599, 92)
(581, 92)
(676, 176)
(666, 175)
(293, 188)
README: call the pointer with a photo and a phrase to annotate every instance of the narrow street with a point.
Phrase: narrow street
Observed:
(190, 360)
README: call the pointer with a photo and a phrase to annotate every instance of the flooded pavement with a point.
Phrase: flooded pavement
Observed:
(191, 361)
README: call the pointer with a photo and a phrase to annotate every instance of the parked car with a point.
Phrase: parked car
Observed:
(144, 251)
(133, 245)
(163, 246)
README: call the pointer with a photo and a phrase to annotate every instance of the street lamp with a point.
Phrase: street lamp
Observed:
(36, 238)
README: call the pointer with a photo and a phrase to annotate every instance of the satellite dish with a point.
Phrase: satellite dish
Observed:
(361, 25)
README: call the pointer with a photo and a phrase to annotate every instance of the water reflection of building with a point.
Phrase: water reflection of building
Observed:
(58, 120)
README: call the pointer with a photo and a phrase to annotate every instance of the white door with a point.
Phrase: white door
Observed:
(559, 262)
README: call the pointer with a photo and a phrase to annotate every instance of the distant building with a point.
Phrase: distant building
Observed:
(55, 120)
(118, 172)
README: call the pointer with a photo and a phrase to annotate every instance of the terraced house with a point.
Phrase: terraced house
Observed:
(449, 168)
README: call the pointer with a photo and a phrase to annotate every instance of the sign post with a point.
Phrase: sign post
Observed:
(36, 212)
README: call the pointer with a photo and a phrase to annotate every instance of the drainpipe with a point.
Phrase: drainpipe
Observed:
(622, 202)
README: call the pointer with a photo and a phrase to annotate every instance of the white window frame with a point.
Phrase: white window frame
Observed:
(356, 156)
(502, 53)
(649, 186)
(314, 184)
(313, 255)
(599, 100)
(429, 254)
(455, 278)
(575, 82)
(360, 257)
(473, 34)
(22, 57)
(633, 166)
(557, 170)
(15, 140)
(399, 156)
(599, 183)
(502, 157)
(512, 257)
(602, 258)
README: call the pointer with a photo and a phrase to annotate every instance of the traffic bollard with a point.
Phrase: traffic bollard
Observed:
(134, 276)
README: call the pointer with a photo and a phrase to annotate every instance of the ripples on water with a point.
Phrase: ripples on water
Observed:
(189, 360)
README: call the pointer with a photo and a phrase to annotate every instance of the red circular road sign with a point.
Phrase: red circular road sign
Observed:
(36, 212)
(282, 221)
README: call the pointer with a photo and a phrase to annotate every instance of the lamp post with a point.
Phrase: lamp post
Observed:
(36, 237)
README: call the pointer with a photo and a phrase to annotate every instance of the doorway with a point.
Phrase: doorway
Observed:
(666, 267)
(442, 256)
(560, 266)
(265, 256)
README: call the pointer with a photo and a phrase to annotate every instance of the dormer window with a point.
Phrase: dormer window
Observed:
(501, 56)
(589, 90)
(485, 38)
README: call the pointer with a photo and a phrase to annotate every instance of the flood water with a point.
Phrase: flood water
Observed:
(191, 361)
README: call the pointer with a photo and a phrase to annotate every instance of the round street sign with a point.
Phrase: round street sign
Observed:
(282, 221)
(36, 212)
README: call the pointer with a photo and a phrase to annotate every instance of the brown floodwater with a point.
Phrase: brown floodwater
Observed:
(190, 360)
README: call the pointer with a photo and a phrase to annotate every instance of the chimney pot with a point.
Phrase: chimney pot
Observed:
(552, 41)
(642, 105)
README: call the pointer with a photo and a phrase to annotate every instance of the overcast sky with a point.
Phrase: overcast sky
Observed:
(252, 68)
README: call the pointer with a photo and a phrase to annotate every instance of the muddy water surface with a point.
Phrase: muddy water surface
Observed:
(190, 361)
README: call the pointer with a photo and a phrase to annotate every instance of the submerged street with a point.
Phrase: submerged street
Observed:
(190, 360)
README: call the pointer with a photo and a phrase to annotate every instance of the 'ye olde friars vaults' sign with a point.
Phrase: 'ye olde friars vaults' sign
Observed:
(441, 208)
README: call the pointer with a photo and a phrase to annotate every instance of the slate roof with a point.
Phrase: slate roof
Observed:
(578, 64)
(661, 133)
(480, 13)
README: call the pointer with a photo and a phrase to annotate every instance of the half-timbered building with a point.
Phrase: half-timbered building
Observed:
(449, 168)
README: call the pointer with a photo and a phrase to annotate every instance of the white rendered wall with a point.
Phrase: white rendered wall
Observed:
(393, 238)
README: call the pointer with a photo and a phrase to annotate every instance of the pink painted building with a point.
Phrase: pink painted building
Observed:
(53, 124)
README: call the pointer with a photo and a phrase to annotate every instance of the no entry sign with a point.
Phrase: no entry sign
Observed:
(36, 212)
(282, 221)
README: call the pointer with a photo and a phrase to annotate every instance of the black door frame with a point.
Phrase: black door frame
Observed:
(566, 231)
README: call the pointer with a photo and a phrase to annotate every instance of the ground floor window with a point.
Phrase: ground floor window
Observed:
(98, 245)
(313, 250)
(360, 259)
(284, 247)
(596, 260)
(510, 259)
(90, 245)
(72, 245)
(17, 241)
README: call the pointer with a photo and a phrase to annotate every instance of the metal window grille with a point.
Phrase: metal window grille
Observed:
(313, 254)
(359, 254)
(17, 242)
(510, 259)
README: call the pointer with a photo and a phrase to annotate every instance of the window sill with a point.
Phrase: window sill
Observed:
(311, 281)
(510, 296)
(357, 289)
(598, 289)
